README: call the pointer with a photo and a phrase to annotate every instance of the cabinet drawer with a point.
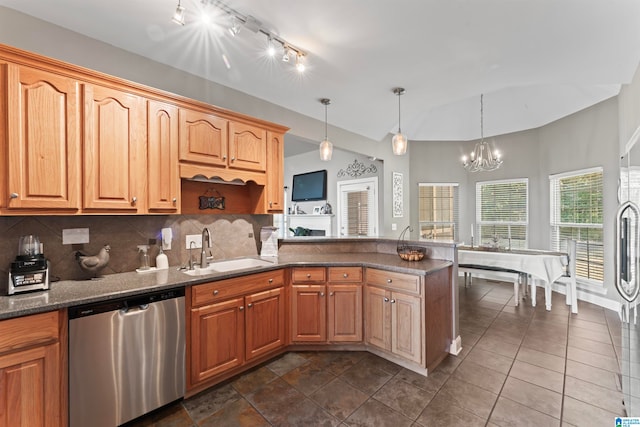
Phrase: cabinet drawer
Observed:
(28, 330)
(392, 280)
(223, 289)
(308, 274)
(345, 274)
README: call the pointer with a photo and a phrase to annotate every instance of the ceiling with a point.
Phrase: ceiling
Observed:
(535, 61)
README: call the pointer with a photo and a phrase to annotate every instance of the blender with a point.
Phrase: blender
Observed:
(30, 270)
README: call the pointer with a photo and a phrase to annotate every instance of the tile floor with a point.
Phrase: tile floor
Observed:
(519, 366)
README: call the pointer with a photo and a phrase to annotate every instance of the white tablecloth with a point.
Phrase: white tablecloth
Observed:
(547, 267)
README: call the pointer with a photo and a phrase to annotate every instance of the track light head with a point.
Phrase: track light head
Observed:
(235, 27)
(178, 16)
(300, 63)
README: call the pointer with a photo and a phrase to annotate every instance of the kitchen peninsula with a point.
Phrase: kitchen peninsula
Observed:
(362, 276)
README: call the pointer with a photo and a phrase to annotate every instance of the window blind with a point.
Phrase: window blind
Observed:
(438, 211)
(577, 213)
(502, 212)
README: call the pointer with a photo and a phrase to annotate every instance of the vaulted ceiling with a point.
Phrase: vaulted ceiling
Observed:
(535, 61)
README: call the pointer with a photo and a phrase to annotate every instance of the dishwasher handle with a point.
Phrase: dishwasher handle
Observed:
(135, 309)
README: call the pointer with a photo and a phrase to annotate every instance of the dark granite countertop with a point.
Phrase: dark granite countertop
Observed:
(69, 293)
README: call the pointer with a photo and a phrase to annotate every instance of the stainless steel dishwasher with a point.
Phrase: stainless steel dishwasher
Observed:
(126, 358)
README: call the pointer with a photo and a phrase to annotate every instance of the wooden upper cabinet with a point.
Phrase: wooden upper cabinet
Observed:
(203, 138)
(114, 138)
(275, 172)
(247, 147)
(43, 134)
(163, 181)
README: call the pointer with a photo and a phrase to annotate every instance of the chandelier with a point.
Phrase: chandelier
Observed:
(481, 158)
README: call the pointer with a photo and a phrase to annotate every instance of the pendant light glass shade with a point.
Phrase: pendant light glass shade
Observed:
(326, 147)
(399, 142)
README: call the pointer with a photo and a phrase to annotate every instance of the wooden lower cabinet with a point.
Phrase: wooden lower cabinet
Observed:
(264, 322)
(234, 322)
(309, 313)
(217, 338)
(32, 374)
(330, 312)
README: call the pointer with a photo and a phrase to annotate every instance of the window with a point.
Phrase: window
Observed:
(502, 212)
(576, 213)
(438, 211)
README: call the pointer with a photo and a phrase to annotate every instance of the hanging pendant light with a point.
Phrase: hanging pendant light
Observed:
(481, 158)
(326, 147)
(399, 142)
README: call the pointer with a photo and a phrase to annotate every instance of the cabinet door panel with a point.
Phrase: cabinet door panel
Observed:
(377, 318)
(203, 138)
(163, 182)
(406, 326)
(265, 322)
(345, 313)
(43, 139)
(275, 172)
(247, 147)
(309, 313)
(31, 380)
(217, 338)
(113, 138)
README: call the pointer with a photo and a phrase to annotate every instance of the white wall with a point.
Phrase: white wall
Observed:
(25, 32)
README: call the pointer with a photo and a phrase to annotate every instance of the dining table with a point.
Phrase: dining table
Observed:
(538, 265)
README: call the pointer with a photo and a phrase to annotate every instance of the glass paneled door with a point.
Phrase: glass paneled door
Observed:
(627, 229)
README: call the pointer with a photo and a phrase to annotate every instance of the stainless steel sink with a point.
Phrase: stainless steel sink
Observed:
(229, 265)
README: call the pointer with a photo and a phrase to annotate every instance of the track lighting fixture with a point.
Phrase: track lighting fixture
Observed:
(234, 29)
(326, 147)
(271, 49)
(178, 16)
(239, 20)
(300, 63)
(399, 142)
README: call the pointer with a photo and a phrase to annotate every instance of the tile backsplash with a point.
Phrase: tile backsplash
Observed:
(231, 235)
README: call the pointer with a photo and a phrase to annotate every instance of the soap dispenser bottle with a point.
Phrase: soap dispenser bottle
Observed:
(144, 257)
(162, 262)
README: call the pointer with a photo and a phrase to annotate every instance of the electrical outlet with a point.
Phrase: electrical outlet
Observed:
(196, 239)
(394, 227)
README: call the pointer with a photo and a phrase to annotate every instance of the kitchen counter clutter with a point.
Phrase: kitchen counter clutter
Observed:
(68, 293)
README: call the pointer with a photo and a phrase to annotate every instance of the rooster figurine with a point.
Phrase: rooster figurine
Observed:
(94, 264)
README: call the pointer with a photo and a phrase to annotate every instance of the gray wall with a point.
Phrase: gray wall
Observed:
(583, 140)
(341, 159)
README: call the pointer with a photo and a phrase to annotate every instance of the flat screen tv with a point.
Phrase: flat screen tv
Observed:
(309, 186)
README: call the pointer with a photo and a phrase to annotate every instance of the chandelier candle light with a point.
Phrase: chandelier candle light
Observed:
(326, 147)
(481, 158)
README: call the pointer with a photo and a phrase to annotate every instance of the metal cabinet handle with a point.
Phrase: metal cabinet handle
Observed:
(270, 280)
(216, 292)
(233, 159)
(330, 294)
(250, 305)
(14, 195)
(308, 276)
(389, 281)
(386, 299)
(321, 294)
(134, 199)
(270, 205)
(392, 301)
(224, 157)
(241, 308)
(345, 275)
(175, 200)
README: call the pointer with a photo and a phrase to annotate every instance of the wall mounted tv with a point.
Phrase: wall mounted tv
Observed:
(309, 186)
